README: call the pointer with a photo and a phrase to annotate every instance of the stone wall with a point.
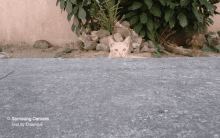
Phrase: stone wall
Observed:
(31, 20)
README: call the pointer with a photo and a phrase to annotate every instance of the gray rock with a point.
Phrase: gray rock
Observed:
(59, 50)
(105, 40)
(197, 41)
(94, 33)
(102, 33)
(124, 32)
(103, 47)
(94, 38)
(90, 45)
(151, 44)
(133, 33)
(145, 49)
(144, 44)
(43, 44)
(135, 45)
(85, 37)
(118, 37)
(78, 45)
(4, 55)
(136, 50)
(215, 35)
(138, 40)
(125, 24)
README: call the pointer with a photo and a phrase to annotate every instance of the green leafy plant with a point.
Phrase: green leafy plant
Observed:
(68, 50)
(218, 33)
(152, 19)
(156, 19)
(156, 15)
(108, 21)
(88, 10)
(8, 46)
(209, 47)
(35, 46)
(191, 53)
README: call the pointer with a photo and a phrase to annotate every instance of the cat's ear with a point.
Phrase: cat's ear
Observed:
(110, 41)
(127, 40)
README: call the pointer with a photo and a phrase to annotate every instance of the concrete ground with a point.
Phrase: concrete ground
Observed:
(110, 98)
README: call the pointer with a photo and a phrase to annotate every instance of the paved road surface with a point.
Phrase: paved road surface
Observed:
(110, 98)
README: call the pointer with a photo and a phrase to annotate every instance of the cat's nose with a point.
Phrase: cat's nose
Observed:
(120, 55)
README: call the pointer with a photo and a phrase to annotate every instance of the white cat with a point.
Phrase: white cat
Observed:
(121, 49)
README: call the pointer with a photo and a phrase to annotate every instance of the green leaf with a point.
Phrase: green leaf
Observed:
(75, 9)
(73, 27)
(168, 15)
(94, 26)
(172, 5)
(163, 2)
(77, 30)
(142, 32)
(183, 20)
(143, 17)
(149, 3)
(73, 1)
(69, 16)
(210, 20)
(158, 35)
(137, 27)
(151, 35)
(57, 2)
(83, 29)
(203, 2)
(210, 7)
(85, 2)
(198, 14)
(150, 25)
(168, 2)
(69, 7)
(136, 5)
(157, 25)
(196, 11)
(184, 3)
(155, 11)
(172, 22)
(62, 4)
(95, 14)
(82, 13)
(76, 20)
(134, 20)
(130, 14)
(195, 26)
(130, 8)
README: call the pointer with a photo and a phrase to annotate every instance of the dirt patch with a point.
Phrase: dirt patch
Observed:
(27, 51)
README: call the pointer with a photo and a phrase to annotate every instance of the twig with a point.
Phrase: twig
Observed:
(7, 75)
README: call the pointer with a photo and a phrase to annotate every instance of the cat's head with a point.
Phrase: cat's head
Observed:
(119, 49)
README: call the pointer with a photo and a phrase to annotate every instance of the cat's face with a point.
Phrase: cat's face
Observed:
(119, 49)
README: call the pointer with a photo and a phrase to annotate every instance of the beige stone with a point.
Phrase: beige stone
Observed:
(118, 37)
